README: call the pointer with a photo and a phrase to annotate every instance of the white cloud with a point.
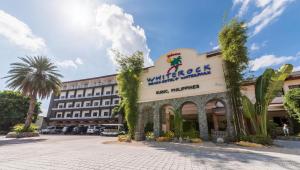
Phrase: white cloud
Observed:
(69, 63)
(268, 60)
(298, 54)
(244, 6)
(271, 10)
(265, 12)
(18, 33)
(254, 47)
(216, 47)
(257, 46)
(117, 27)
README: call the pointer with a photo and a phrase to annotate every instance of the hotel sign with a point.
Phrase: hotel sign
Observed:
(174, 72)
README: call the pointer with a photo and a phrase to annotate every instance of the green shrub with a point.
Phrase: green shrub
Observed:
(191, 134)
(264, 140)
(272, 128)
(149, 127)
(169, 134)
(150, 136)
(18, 128)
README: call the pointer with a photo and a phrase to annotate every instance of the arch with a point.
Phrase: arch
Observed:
(217, 119)
(166, 112)
(190, 115)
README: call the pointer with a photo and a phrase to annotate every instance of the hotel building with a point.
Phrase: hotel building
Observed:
(181, 79)
(84, 102)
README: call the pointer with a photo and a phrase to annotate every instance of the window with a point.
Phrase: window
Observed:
(78, 105)
(76, 115)
(105, 113)
(90, 94)
(98, 94)
(106, 103)
(79, 95)
(95, 114)
(70, 105)
(87, 115)
(116, 102)
(107, 92)
(68, 115)
(72, 96)
(59, 115)
(87, 104)
(61, 106)
(96, 103)
(62, 97)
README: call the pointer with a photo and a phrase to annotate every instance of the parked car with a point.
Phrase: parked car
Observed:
(67, 129)
(112, 129)
(46, 130)
(80, 130)
(51, 130)
(93, 129)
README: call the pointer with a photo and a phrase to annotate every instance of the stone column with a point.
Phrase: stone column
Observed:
(202, 121)
(230, 128)
(139, 128)
(156, 121)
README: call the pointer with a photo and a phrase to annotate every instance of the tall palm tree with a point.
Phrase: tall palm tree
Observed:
(36, 77)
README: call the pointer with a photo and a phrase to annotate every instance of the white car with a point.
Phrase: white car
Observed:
(92, 129)
(113, 129)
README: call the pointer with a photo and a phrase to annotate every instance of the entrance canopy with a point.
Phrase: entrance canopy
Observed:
(182, 73)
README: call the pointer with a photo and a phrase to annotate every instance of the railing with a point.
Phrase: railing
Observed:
(83, 107)
(88, 86)
(84, 97)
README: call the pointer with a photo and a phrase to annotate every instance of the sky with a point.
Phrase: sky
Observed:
(79, 36)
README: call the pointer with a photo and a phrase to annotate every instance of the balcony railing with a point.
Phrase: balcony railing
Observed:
(76, 118)
(88, 86)
(84, 97)
(82, 107)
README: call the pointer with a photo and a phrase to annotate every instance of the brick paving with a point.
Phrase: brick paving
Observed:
(89, 152)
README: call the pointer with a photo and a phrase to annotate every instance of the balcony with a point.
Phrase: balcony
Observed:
(84, 97)
(88, 86)
(79, 118)
(82, 107)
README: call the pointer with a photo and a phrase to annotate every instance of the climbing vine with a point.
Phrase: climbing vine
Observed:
(232, 40)
(130, 68)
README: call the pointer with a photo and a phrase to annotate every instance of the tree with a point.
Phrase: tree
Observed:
(130, 68)
(13, 107)
(266, 87)
(35, 77)
(120, 111)
(178, 123)
(291, 103)
(232, 41)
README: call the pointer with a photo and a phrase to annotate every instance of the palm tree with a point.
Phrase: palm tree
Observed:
(36, 77)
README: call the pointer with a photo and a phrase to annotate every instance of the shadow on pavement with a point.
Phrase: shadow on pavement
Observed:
(224, 158)
(20, 141)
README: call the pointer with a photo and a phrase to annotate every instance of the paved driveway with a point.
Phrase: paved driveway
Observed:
(92, 152)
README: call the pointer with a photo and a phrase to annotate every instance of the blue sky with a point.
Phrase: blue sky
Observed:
(78, 35)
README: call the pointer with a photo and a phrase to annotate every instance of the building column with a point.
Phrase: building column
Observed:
(215, 120)
(202, 121)
(139, 127)
(156, 122)
(228, 110)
